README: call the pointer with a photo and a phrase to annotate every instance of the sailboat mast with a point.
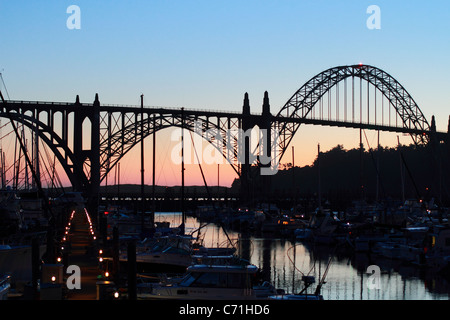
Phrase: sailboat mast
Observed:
(320, 187)
(182, 171)
(2, 169)
(142, 165)
(402, 176)
(36, 155)
(293, 183)
(152, 218)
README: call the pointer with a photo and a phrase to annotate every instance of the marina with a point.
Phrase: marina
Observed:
(207, 195)
(286, 261)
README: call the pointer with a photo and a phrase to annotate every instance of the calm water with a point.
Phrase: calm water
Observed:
(284, 262)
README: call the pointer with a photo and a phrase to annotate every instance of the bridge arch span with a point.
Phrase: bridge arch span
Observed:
(305, 99)
(54, 142)
(121, 142)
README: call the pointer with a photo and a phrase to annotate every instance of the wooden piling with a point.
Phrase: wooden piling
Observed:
(131, 255)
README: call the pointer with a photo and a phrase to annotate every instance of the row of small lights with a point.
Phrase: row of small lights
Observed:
(106, 274)
(91, 229)
(68, 226)
(66, 234)
(94, 237)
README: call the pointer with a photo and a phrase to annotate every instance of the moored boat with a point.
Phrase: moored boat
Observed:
(169, 254)
(211, 282)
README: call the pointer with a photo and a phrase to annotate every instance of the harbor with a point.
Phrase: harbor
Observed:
(283, 262)
(266, 237)
(224, 159)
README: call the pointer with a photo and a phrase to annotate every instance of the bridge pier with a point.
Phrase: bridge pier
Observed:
(94, 186)
(79, 115)
(433, 144)
(266, 156)
(90, 186)
(245, 166)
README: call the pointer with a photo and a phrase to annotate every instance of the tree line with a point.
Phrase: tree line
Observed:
(401, 172)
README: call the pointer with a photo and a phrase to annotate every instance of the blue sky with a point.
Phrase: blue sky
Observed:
(207, 54)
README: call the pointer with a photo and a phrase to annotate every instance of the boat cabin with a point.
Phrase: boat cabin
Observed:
(215, 282)
(219, 276)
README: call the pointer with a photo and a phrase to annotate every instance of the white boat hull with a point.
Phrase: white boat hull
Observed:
(199, 293)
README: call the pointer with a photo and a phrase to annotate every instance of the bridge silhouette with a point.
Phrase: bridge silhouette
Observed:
(355, 96)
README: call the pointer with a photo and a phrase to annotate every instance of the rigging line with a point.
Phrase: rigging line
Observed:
(41, 191)
(54, 173)
(162, 167)
(374, 164)
(290, 259)
(4, 86)
(410, 175)
(200, 167)
(322, 280)
(1, 127)
(1, 138)
(43, 175)
(9, 168)
(206, 185)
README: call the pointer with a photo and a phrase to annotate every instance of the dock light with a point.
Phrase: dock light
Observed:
(53, 278)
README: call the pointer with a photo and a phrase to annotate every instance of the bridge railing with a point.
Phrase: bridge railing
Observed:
(109, 105)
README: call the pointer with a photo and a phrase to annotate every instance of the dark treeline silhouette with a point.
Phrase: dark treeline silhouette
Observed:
(403, 172)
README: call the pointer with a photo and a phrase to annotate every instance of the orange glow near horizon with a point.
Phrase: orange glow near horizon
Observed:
(168, 173)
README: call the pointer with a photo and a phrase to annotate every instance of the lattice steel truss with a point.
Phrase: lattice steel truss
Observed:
(305, 99)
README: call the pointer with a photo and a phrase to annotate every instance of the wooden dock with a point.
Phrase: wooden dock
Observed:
(83, 253)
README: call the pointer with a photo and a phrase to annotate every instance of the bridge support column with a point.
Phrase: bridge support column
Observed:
(266, 157)
(436, 160)
(245, 193)
(79, 115)
(94, 156)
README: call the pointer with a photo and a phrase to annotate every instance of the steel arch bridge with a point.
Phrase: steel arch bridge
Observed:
(301, 104)
(115, 130)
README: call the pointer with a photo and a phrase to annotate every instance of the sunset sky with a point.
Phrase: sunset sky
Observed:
(207, 54)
